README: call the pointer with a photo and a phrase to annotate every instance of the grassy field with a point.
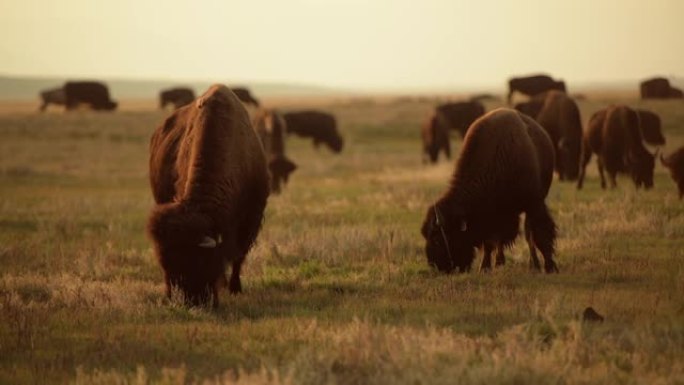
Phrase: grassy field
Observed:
(337, 290)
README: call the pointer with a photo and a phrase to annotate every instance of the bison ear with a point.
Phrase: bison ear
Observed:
(208, 242)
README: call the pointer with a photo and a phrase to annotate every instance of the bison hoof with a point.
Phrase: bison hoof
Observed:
(550, 267)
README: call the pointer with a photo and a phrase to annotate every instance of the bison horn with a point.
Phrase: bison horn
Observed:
(208, 242)
(464, 226)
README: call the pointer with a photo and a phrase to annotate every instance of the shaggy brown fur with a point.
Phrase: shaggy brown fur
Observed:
(505, 169)
(460, 115)
(561, 119)
(435, 135)
(94, 94)
(270, 126)
(52, 96)
(209, 180)
(321, 126)
(655, 88)
(675, 163)
(533, 85)
(614, 135)
(651, 128)
(178, 97)
(531, 107)
(676, 93)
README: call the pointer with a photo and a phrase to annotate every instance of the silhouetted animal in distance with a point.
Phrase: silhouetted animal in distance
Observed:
(459, 115)
(178, 97)
(533, 85)
(210, 183)
(318, 125)
(91, 93)
(435, 137)
(245, 96)
(658, 88)
(505, 168)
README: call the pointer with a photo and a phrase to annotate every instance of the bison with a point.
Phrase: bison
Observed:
(676, 93)
(321, 126)
(649, 123)
(613, 134)
(435, 135)
(460, 115)
(178, 97)
(94, 94)
(245, 96)
(561, 119)
(505, 168)
(533, 85)
(52, 96)
(655, 88)
(270, 126)
(210, 183)
(675, 163)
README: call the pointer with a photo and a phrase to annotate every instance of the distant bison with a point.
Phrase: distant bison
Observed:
(209, 180)
(505, 168)
(52, 96)
(676, 93)
(560, 117)
(658, 88)
(614, 135)
(93, 94)
(245, 96)
(270, 126)
(178, 97)
(533, 85)
(435, 136)
(320, 126)
(460, 115)
(675, 163)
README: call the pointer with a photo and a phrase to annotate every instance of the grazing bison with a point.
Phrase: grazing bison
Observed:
(435, 135)
(655, 88)
(649, 123)
(460, 115)
(52, 96)
(94, 94)
(614, 136)
(209, 180)
(560, 117)
(178, 97)
(675, 163)
(533, 85)
(320, 126)
(270, 126)
(505, 168)
(245, 96)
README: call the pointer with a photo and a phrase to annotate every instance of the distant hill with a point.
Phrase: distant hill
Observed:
(27, 88)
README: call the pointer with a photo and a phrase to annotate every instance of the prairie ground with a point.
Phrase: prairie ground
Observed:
(337, 289)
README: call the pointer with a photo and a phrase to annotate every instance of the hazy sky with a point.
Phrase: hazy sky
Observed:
(371, 44)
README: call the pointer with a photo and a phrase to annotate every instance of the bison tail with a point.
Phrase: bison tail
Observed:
(173, 222)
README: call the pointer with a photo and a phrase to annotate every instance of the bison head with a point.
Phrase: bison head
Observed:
(447, 241)
(336, 143)
(189, 252)
(280, 168)
(569, 158)
(641, 168)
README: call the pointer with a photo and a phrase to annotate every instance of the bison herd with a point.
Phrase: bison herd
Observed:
(216, 158)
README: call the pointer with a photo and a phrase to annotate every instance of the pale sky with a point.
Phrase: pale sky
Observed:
(362, 44)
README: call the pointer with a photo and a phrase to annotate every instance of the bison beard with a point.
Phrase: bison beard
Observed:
(505, 169)
(209, 180)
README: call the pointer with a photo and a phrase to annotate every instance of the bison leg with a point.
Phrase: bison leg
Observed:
(586, 157)
(599, 163)
(235, 285)
(447, 148)
(486, 264)
(500, 257)
(540, 231)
